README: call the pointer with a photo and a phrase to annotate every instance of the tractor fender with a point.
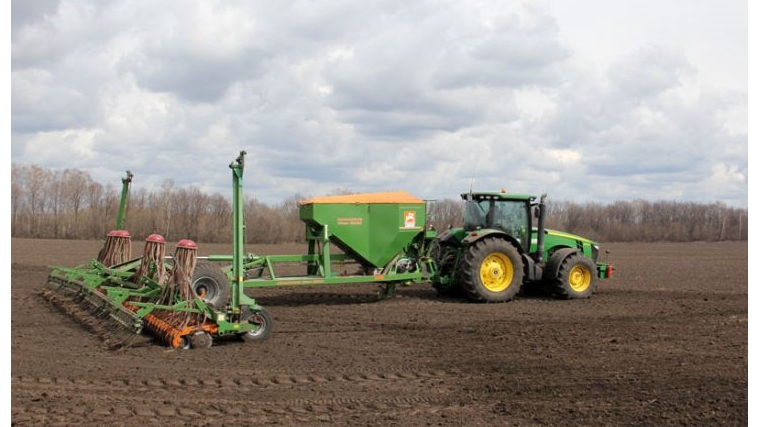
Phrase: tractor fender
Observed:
(551, 269)
(478, 235)
(448, 237)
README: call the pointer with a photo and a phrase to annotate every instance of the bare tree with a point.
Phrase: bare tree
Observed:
(188, 209)
(94, 200)
(68, 204)
(293, 230)
(164, 205)
(219, 224)
(445, 213)
(17, 197)
(75, 184)
(37, 182)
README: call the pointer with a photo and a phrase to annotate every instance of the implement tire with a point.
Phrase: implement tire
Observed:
(575, 276)
(211, 284)
(264, 320)
(491, 271)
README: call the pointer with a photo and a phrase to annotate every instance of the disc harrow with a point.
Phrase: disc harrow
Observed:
(127, 300)
(151, 296)
(116, 326)
(163, 325)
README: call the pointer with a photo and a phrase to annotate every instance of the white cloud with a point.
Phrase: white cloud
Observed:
(586, 100)
(564, 156)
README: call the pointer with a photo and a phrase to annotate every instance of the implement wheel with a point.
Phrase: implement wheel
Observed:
(575, 276)
(264, 320)
(200, 339)
(491, 271)
(211, 284)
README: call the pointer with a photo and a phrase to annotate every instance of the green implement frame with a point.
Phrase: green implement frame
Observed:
(383, 235)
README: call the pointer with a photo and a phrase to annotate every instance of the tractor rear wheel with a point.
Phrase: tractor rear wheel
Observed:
(576, 277)
(491, 271)
(211, 284)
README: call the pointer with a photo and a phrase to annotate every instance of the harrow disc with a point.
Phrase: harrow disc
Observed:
(177, 332)
(201, 339)
(116, 329)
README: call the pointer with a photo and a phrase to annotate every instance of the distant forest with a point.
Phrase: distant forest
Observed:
(68, 204)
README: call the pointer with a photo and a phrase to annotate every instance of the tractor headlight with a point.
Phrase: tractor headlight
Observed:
(595, 252)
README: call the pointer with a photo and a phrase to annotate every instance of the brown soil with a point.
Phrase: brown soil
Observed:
(663, 343)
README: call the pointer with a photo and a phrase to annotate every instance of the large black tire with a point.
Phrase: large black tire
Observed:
(575, 275)
(263, 319)
(491, 271)
(211, 284)
(445, 258)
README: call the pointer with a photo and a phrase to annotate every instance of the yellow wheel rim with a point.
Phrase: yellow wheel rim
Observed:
(579, 278)
(496, 272)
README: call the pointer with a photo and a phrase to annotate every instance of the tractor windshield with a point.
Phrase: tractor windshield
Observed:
(510, 216)
(475, 212)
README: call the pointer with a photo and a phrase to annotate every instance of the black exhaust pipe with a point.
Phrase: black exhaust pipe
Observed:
(541, 231)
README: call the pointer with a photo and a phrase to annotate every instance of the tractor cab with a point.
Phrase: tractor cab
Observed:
(510, 213)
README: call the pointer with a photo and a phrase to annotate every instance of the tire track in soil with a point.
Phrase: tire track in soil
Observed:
(365, 375)
(269, 413)
(354, 295)
(222, 397)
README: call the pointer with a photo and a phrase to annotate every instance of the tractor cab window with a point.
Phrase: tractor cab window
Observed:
(506, 215)
(511, 217)
(475, 213)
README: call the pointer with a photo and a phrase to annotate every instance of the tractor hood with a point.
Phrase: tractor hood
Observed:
(556, 238)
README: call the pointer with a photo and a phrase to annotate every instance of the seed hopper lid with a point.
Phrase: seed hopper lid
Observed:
(362, 198)
(155, 238)
(187, 244)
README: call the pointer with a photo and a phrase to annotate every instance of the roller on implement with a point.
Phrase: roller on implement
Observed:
(188, 301)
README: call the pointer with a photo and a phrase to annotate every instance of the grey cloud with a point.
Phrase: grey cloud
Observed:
(24, 12)
(643, 131)
(648, 72)
(511, 57)
(413, 78)
(39, 105)
(405, 124)
(192, 78)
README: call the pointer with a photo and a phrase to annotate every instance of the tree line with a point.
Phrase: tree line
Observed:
(68, 204)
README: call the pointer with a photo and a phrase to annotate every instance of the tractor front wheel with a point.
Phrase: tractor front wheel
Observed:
(576, 277)
(491, 271)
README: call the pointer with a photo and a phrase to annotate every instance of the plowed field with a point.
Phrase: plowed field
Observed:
(662, 343)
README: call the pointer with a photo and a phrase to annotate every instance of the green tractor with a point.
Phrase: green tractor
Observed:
(499, 251)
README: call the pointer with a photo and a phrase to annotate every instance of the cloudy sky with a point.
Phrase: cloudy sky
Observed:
(586, 100)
